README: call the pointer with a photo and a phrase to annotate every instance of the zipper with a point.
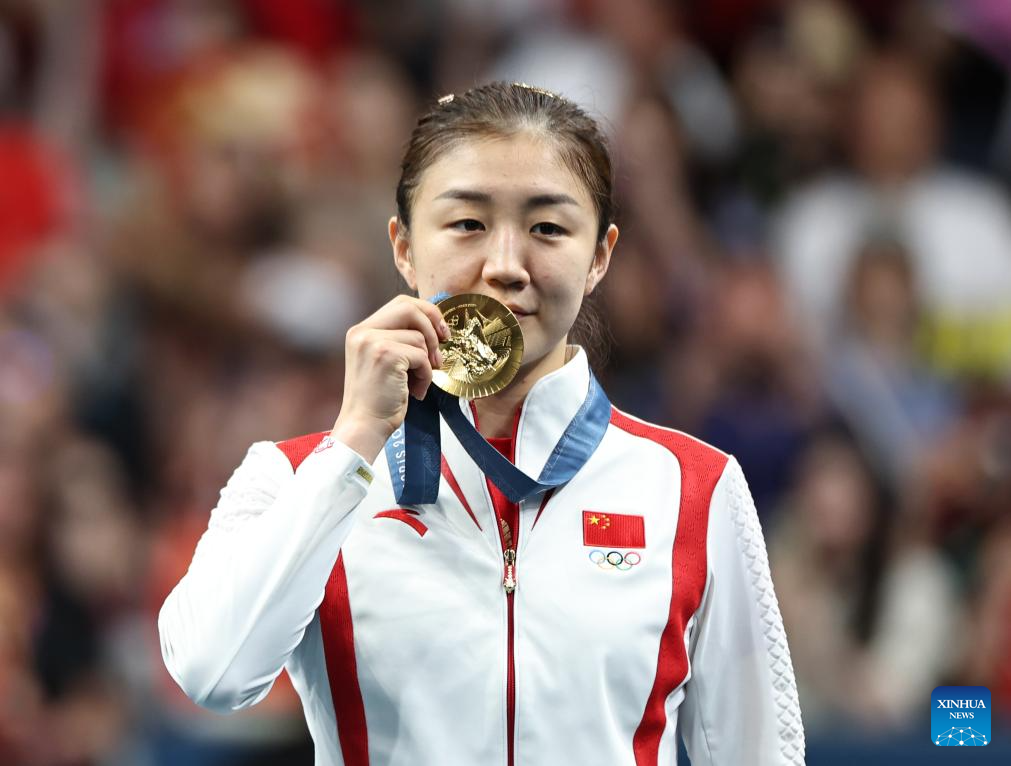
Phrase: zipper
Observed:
(510, 543)
(509, 578)
(509, 586)
(502, 507)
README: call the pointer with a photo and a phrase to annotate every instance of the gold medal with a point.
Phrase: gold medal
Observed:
(485, 347)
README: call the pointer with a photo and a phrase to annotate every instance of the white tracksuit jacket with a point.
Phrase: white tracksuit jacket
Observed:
(406, 649)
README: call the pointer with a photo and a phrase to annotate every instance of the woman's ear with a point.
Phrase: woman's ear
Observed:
(402, 251)
(601, 259)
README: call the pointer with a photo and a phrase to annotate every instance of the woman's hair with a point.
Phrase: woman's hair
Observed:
(502, 109)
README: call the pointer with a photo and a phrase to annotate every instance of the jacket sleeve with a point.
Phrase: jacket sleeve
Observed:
(259, 573)
(741, 701)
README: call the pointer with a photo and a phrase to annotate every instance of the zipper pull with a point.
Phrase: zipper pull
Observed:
(509, 582)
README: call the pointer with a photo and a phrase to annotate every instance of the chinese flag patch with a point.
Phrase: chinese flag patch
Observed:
(617, 530)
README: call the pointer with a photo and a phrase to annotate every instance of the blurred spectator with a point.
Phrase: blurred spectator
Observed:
(957, 226)
(874, 375)
(872, 614)
(654, 289)
(233, 155)
(33, 201)
(788, 80)
(961, 484)
(368, 110)
(765, 402)
(94, 554)
(641, 41)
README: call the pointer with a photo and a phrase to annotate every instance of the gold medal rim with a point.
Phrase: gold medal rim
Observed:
(488, 306)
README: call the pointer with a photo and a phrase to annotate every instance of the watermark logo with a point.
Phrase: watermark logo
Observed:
(960, 716)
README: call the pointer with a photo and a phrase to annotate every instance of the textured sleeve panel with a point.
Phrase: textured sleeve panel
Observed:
(751, 543)
(741, 703)
(251, 489)
(259, 571)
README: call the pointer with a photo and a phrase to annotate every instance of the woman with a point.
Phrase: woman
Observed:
(579, 624)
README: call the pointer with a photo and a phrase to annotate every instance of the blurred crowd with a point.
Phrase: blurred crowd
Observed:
(814, 274)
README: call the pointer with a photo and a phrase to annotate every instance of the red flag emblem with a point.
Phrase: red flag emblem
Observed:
(619, 530)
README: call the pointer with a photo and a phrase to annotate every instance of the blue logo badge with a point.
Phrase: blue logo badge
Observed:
(960, 716)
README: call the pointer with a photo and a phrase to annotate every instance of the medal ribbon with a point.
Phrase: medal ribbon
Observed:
(414, 451)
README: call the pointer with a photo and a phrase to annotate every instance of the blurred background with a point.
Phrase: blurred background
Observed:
(814, 274)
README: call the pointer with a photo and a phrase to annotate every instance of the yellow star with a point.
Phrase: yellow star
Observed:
(594, 520)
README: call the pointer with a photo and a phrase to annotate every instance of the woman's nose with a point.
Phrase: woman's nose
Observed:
(504, 264)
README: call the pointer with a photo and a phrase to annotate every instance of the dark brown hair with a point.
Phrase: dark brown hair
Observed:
(504, 109)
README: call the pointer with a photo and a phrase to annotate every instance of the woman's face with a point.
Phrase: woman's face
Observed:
(505, 217)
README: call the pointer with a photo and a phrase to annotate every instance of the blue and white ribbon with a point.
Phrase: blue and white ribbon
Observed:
(414, 451)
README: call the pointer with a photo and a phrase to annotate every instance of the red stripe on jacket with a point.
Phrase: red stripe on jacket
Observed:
(338, 635)
(342, 668)
(405, 515)
(701, 468)
(447, 472)
(300, 447)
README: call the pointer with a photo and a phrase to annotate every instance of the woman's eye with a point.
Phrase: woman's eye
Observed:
(468, 224)
(548, 229)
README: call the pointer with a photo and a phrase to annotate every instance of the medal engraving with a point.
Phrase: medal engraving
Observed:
(485, 347)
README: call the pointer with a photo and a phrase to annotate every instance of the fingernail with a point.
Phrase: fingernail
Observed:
(444, 329)
(438, 358)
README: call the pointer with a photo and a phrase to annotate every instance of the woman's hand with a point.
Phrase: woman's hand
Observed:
(388, 357)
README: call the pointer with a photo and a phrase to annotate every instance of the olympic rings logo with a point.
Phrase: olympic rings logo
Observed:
(614, 559)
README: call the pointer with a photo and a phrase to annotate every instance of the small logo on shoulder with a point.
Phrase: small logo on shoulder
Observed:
(960, 716)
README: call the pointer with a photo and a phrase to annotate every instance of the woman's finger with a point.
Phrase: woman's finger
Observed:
(410, 338)
(418, 367)
(413, 313)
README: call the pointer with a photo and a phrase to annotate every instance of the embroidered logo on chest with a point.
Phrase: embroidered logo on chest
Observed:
(615, 530)
(608, 560)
